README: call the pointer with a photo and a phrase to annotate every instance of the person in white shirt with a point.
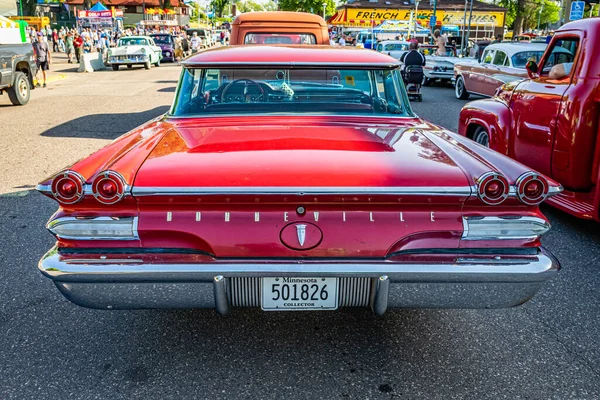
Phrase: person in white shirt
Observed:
(195, 42)
(342, 41)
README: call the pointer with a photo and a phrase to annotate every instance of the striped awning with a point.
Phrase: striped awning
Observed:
(7, 23)
(340, 18)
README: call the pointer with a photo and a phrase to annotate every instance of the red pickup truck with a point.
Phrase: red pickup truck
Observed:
(551, 121)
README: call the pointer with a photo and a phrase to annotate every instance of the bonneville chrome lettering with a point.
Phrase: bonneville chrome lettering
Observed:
(401, 218)
(285, 216)
(344, 216)
(227, 215)
(371, 217)
(198, 216)
(256, 217)
(316, 213)
(432, 217)
(169, 216)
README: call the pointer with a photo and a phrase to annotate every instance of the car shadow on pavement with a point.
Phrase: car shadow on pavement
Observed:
(103, 126)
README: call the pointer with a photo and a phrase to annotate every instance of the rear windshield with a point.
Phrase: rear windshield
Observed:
(519, 60)
(297, 91)
(280, 38)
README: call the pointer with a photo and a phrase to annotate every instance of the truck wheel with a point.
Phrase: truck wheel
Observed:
(129, 66)
(482, 136)
(157, 63)
(115, 67)
(459, 89)
(20, 92)
(147, 65)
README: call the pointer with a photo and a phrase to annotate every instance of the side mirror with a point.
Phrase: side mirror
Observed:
(532, 69)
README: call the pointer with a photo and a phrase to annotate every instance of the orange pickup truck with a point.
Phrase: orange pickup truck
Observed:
(279, 27)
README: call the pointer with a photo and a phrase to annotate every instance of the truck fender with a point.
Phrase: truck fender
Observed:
(493, 115)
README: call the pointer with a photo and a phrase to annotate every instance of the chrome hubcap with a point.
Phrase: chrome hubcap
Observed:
(482, 138)
(23, 88)
(459, 87)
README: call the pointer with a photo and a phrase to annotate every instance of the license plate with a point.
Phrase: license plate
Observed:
(280, 294)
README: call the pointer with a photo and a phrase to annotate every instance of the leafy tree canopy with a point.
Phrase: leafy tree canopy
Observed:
(311, 6)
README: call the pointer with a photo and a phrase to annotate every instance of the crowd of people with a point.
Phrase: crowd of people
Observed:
(76, 42)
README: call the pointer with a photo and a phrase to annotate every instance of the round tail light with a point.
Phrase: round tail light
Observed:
(108, 187)
(67, 187)
(492, 188)
(532, 188)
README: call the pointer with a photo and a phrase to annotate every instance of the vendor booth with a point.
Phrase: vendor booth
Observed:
(99, 17)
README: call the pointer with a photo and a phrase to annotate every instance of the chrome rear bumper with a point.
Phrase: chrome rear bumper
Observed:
(133, 282)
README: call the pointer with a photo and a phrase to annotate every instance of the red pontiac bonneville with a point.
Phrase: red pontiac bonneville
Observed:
(551, 121)
(296, 178)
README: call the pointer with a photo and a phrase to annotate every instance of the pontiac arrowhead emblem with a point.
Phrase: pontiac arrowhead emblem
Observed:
(301, 231)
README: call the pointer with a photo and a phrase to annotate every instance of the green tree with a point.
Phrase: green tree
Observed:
(164, 4)
(249, 5)
(522, 15)
(219, 6)
(311, 6)
(271, 6)
(196, 13)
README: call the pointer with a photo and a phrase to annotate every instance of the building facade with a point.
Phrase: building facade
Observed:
(482, 20)
(149, 11)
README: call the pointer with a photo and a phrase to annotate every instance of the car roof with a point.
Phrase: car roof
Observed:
(277, 16)
(291, 56)
(514, 48)
(135, 37)
(394, 42)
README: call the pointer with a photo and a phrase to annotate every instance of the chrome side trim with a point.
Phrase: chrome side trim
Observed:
(554, 190)
(534, 220)
(53, 223)
(407, 190)
(46, 189)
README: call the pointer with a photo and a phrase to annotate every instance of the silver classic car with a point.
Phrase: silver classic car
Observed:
(133, 50)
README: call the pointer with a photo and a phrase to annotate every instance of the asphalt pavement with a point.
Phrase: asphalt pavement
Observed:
(52, 349)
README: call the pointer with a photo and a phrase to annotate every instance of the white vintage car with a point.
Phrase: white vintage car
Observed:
(132, 50)
(394, 48)
(438, 67)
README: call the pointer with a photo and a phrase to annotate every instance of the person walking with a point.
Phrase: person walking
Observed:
(78, 44)
(69, 48)
(42, 53)
(55, 47)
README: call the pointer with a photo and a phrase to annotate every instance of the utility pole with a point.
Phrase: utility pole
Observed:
(416, 15)
(324, 7)
(462, 35)
(469, 28)
(540, 16)
(435, 19)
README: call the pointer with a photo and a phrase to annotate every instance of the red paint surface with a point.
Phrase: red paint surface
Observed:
(553, 126)
(325, 55)
(297, 152)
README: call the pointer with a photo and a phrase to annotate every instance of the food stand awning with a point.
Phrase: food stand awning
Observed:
(340, 18)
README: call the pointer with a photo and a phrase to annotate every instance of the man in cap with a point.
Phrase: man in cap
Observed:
(42, 53)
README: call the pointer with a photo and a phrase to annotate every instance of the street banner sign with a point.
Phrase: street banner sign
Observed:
(577, 8)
